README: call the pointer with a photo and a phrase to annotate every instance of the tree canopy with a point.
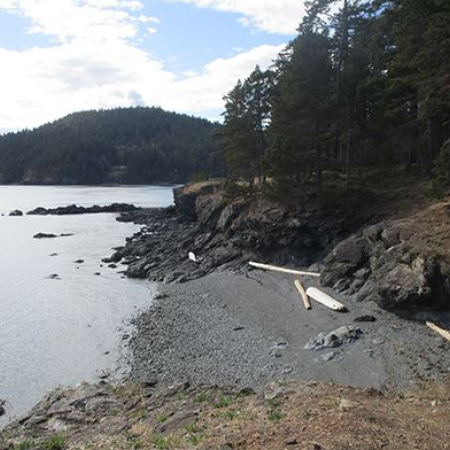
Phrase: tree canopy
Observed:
(364, 86)
(125, 145)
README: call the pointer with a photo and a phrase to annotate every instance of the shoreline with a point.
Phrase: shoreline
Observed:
(238, 339)
(230, 329)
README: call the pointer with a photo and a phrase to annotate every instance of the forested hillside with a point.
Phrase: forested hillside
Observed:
(127, 145)
(364, 89)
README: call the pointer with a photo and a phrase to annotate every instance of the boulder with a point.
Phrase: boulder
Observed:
(16, 213)
(383, 264)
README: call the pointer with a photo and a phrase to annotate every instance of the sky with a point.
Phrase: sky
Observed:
(61, 56)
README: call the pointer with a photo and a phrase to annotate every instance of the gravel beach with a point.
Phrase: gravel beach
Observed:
(250, 329)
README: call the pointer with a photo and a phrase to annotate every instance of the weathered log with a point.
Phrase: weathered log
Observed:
(325, 299)
(444, 333)
(283, 269)
(303, 294)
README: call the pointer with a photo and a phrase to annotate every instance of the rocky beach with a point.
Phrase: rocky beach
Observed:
(218, 320)
(219, 326)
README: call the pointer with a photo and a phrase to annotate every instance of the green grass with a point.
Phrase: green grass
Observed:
(56, 442)
(195, 438)
(274, 415)
(306, 414)
(140, 414)
(134, 442)
(192, 428)
(161, 418)
(273, 403)
(223, 402)
(166, 442)
(228, 415)
(201, 398)
(24, 445)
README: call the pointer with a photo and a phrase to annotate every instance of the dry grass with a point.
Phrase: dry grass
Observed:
(304, 416)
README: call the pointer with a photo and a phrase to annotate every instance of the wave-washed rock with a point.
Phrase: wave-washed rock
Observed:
(74, 209)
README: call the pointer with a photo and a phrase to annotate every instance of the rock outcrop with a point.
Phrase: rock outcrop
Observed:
(383, 263)
(74, 209)
(16, 213)
(227, 235)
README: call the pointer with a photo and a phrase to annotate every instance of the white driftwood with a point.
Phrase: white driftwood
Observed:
(325, 299)
(284, 270)
(302, 292)
(444, 333)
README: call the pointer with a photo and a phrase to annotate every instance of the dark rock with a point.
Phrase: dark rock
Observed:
(381, 265)
(208, 209)
(16, 213)
(74, 209)
(53, 276)
(366, 318)
(150, 383)
(44, 236)
(226, 237)
(79, 261)
(185, 198)
(228, 214)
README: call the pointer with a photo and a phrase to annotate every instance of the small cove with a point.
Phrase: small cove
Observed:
(64, 331)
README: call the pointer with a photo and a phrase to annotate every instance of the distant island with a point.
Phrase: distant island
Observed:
(120, 146)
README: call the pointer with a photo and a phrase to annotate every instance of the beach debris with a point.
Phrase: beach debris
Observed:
(283, 269)
(192, 257)
(444, 333)
(325, 299)
(336, 338)
(302, 292)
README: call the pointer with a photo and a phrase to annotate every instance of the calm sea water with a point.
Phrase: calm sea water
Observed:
(61, 332)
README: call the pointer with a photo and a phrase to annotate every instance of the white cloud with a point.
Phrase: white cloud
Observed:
(274, 16)
(94, 64)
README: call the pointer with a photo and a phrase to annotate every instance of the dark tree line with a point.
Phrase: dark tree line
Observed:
(125, 145)
(358, 90)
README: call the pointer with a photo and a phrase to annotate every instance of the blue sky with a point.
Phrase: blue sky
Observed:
(60, 56)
